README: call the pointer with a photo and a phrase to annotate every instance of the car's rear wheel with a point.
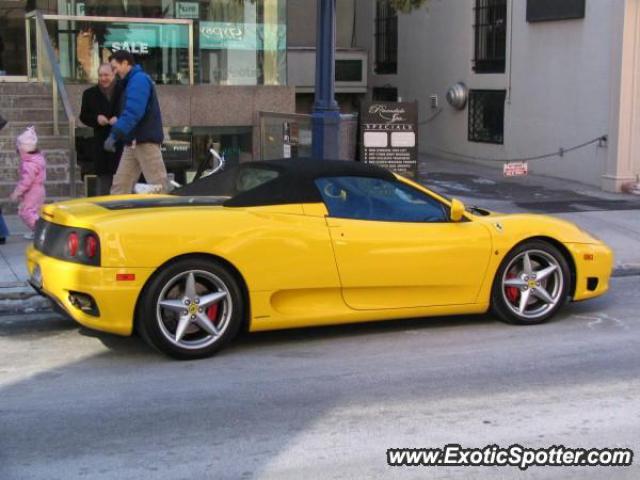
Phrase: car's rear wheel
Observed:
(531, 284)
(191, 309)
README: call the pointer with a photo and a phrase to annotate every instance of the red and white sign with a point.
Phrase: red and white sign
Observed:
(515, 169)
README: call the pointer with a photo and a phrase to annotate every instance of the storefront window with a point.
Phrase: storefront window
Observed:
(243, 42)
(236, 42)
(161, 49)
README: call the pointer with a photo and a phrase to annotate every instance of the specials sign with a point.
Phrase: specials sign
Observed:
(389, 136)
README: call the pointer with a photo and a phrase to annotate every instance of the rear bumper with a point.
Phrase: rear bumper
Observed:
(58, 307)
(594, 265)
(116, 300)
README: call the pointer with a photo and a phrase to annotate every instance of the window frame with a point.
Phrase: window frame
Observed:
(474, 135)
(446, 209)
(385, 39)
(490, 36)
(385, 94)
(538, 11)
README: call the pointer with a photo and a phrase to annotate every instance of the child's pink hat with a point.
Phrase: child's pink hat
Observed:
(27, 141)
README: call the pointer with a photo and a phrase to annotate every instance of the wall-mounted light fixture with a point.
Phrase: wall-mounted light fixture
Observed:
(457, 95)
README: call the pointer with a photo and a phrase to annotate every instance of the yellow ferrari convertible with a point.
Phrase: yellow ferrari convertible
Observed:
(297, 243)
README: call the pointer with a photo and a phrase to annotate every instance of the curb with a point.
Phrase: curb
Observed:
(630, 270)
(16, 291)
(19, 297)
(28, 305)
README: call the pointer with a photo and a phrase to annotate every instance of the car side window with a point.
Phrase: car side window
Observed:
(366, 198)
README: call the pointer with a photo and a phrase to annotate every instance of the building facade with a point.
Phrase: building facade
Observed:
(216, 63)
(351, 61)
(533, 78)
(249, 56)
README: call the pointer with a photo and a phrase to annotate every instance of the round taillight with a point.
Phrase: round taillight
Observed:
(72, 244)
(90, 246)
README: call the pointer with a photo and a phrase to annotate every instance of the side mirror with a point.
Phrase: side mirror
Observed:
(457, 210)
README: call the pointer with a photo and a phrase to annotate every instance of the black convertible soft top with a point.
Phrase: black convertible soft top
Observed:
(277, 182)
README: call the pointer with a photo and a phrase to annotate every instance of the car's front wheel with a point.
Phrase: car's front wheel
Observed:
(531, 284)
(191, 309)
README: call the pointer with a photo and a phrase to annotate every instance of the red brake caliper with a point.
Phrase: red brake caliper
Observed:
(513, 293)
(212, 313)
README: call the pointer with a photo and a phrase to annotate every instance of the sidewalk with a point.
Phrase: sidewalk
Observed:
(613, 217)
(486, 186)
(15, 294)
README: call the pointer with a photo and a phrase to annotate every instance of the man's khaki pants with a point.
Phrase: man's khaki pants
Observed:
(142, 157)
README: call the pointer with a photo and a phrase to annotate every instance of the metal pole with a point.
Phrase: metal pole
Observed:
(39, 53)
(27, 31)
(261, 127)
(54, 93)
(191, 73)
(73, 190)
(326, 114)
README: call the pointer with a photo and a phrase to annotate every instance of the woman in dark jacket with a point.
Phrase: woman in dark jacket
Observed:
(100, 110)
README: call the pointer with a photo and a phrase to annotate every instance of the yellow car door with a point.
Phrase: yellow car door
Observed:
(396, 248)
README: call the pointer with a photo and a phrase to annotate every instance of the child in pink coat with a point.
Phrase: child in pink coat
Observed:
(33, 172)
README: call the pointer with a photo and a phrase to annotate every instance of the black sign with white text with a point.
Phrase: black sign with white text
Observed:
(389, 136)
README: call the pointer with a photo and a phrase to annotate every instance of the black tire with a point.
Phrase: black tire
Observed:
(507, 300)
(158, 326)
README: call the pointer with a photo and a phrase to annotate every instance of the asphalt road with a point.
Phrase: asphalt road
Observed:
(321, 403)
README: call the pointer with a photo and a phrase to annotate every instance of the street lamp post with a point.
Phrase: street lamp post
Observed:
(326, 114)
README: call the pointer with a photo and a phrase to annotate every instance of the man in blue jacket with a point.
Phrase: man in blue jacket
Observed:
(139, 127)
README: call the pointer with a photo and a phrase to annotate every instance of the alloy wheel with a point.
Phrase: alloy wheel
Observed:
(532, 284)
(194, 309)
